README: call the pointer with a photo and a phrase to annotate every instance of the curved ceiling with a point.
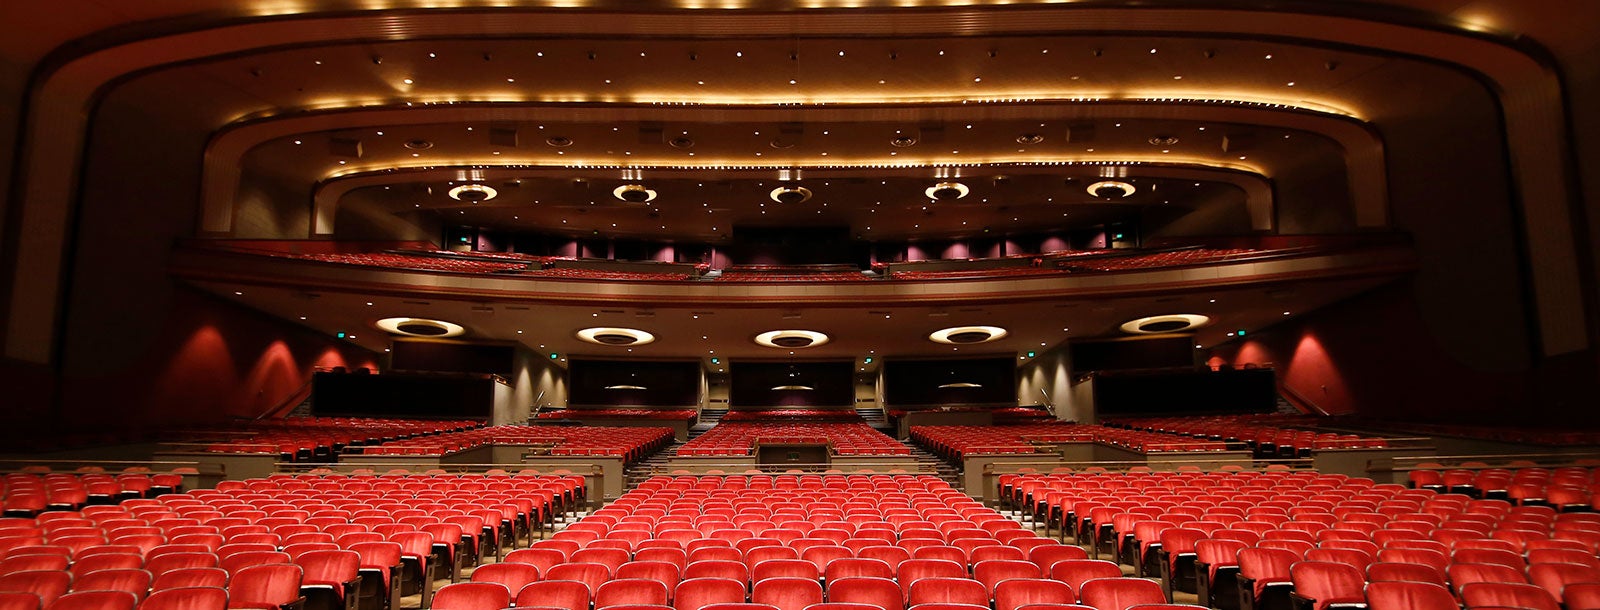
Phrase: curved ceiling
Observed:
(1231, 119)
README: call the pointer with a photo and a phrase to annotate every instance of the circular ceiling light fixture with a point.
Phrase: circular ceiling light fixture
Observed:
(605, 335)
(683, 142)
(558, 141)
(420, 327)
(473, 193)
(1111, 189)
(1030, 138)
(961, 385)
(792, 388)
(965, 335)
(790, 194)
(418, 144)
(1169, 323)
(791, 339)
(634, 193)
(626, 387)
(903, 141)
(946, 191)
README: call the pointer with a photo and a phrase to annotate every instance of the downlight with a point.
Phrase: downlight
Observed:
(960, 385)
(791, 339)
(790, 194)
(946, 191)
(473, 193)
(420, 327)
(634, 193)
(1111, 189)
(621, 337)
(1169, 323)
(966, 335)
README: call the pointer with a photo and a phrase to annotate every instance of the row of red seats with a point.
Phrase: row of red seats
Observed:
(629, 443)
(1259, 431)
(27, 494)
(600, 274)
(1170, 519)
(793, 415)
(449, 521)
(628, 413)
(305, 437)
(1566, 488)
(955, 442)
(792, 541)
(412, 262)
(1176, 258)
(739, 437)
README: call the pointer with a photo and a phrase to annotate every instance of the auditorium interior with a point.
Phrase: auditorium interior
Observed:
(589, 305)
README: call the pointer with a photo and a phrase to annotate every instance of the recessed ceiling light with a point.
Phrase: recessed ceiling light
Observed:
(406, 81)
(601, 335)
(419, 327)
(967, 335)
(1169, 323)
(791, 339)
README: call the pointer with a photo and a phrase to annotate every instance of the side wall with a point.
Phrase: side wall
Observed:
(1376, 355)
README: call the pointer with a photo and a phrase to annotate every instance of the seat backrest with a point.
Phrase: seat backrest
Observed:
(564, 594)
(990, 572)
(880, 592)
(1396, 595)
(1491, 594)
(1075, 572)
(48, 585)
(272, 584)
(717, 568)
(131, 580)
(187, 598)
(1403, 572)
(1554, 577)
(1327, 582)
(857, 566)
(1120, 593)
(95, 600)
(938, 589)
(514, 576)
(625, 591)
(892, 555)
(1047, 555)
(16, 600)
(1266, 564)
(1463, 574)
(694, 593)
(912, 569)
(787, 593)
(591, 574)
(472, 596)
(1018, 592)
(184, 578)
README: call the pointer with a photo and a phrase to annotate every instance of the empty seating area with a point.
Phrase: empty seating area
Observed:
(791, 542)
(413, 262)
(955, 442)
(629, 413)
(30, 493)
(307, 437)
(734, 439)
(1175, 258)
(1508, 433)
(628, 443)
(327, 542)
(601, 274)
(1282, 538)
(1567, 488)
(1256, 431)
(805, 415)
